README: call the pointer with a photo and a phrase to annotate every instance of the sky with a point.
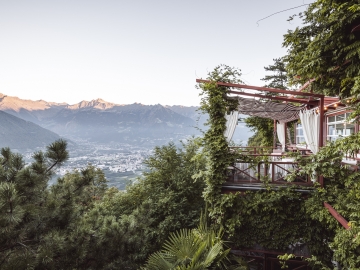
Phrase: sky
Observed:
(143, 51)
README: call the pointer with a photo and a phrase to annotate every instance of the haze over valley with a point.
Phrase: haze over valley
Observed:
(114, 137)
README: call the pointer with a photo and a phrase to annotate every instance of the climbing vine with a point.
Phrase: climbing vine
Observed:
(282, 218)
(215, 103)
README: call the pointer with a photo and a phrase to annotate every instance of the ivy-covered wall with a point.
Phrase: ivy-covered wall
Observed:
(281, 218)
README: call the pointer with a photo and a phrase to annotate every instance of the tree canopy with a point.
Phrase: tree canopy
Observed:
(80, 223)
(326, 48)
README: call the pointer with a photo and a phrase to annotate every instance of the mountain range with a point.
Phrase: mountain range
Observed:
(17, 133)
(106, 122)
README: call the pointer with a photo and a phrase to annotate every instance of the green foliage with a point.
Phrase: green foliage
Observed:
(277, 220)
(263, 128)
(195, 249)
(326, 48)
(282, 218)
(200, 248)
(131, 225)
(264, 131)
(278, 79)
(341, 191)
(38, 222)
(216, 104)
(79, 223)
(284, 258)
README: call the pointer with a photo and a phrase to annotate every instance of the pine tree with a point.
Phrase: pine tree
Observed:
(264, 127)
(80, 223)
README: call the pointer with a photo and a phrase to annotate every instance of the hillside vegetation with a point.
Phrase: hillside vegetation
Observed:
(79, 223)
(19, 134)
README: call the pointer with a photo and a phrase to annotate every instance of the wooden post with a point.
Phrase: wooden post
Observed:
(274, 139)
(285, 131)
(322, 117)
(321, 133)
(266, 167)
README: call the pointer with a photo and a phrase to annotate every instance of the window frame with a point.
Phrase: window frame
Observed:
(336, 123)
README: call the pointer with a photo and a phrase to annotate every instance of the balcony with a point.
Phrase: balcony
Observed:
(271, 166)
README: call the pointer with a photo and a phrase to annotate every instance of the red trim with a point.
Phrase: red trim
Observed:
(337, 216)
(338, 112)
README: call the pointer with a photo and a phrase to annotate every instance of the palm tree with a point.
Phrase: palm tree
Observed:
(191, 249)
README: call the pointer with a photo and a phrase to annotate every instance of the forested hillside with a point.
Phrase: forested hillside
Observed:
(79, 223)
(19, 134)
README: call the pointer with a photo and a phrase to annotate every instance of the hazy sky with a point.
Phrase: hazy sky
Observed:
(146, 51)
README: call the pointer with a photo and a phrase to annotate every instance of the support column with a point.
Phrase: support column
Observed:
(285, 134)
(322, 117)
(321, 132)
(274, 139)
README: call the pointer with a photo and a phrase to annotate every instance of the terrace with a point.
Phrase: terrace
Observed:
(273, 164)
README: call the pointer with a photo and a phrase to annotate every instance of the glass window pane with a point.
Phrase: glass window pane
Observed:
(331, 119)
(340, 130)
(340, 117)
(300, 140)
(350, 129)
(331, 130)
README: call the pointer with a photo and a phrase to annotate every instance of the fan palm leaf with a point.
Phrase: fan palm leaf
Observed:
(195, 249)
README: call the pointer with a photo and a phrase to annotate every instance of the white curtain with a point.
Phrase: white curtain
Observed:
(231, 122)
(280, 130)
(310, 122)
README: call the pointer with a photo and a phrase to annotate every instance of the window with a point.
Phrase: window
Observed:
(300, 139)
(337, 127)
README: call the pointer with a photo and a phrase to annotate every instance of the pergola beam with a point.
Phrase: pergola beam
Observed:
(337, 216)
(267, 89)
(305, 85)
(298, 100)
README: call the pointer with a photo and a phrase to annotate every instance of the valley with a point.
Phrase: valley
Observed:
(115, 138)
(121, 163)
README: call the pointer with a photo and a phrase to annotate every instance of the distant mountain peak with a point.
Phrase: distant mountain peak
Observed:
(100, 100)
(95, 103)
(9, 103)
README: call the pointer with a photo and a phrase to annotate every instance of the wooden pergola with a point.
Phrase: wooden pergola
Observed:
(311, 100)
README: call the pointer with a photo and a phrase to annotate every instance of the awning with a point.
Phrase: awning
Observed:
(283, 112)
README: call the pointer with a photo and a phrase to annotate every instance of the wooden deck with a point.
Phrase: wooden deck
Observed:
(272, 167)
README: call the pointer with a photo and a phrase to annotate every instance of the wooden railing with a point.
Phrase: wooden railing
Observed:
(253, 150)
(272, 168)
